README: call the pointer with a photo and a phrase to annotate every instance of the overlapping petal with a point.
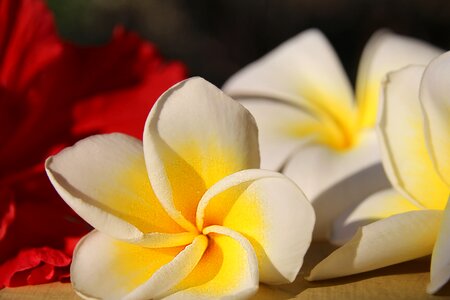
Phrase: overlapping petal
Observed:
(405, 155)
(407, 140)
(304, 67)
(434, 96)
(127, 271)
(320, 170)
(245, 221)
(304, 71)
(104, 179)
(229, 269)
(171, 274)
(280, 128)
(214, 137)
(396, 239)
(386, 52)
(261, 205)
(378, 206)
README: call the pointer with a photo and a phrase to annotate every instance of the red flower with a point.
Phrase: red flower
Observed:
(51, 94)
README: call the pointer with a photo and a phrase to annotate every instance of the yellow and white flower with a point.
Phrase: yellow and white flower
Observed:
(414, 127)
(186, 215)
(311, 129)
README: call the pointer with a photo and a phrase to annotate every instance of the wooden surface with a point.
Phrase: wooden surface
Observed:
(403, 281)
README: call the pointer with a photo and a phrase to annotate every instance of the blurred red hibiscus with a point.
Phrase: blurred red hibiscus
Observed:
(53, 93)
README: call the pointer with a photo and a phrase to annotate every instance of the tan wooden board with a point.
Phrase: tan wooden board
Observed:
(403, 281)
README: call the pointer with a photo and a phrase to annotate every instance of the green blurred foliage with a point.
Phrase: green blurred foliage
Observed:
(84, 21)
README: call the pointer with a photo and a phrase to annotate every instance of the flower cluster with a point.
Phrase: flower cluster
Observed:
(203, 206)
(313, 131)
(414, 216)
(311, 127)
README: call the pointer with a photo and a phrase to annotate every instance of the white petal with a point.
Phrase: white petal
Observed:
(104, 179)
(194, 136)
(378, 206)
(173, 272)
(271, 212)
(304, 71)
(386, 52)
(405, 155)
(393, 240)
(282, 129)
(106, 268)
(435, 99)
(297, 68)
(228, 269)
(440, 261)
(336, 180)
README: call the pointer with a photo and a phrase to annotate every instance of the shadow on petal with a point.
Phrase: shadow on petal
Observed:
(331, 204)
(347, 231)
(264, 259)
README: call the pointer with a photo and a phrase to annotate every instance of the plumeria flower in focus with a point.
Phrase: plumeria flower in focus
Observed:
(186, 215)
(415, 217)
(311, 129)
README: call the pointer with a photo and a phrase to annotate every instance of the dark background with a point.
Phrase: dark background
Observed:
(216, 38)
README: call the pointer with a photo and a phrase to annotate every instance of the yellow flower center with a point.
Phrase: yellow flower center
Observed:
(335, 127)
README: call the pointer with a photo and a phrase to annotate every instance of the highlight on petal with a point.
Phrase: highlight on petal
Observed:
(281, 128)
(435, 100)
(378, 206)
(228, 269)
(303, 66)
(440, 260)
(304, 71)
(127, 271)
(324, 176)
(194, 136)
(104, 179)
(270, 211)
(393, 240)
(405, 155)
(386, 52)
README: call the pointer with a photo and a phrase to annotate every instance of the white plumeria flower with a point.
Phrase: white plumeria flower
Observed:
(186, 215)
(415, 217)
(311, 129)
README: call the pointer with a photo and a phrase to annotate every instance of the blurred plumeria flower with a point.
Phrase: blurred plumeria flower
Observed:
(187, 214)
(415, 217)
(311, 129)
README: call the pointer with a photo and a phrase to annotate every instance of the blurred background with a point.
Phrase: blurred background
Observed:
(217, 38)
